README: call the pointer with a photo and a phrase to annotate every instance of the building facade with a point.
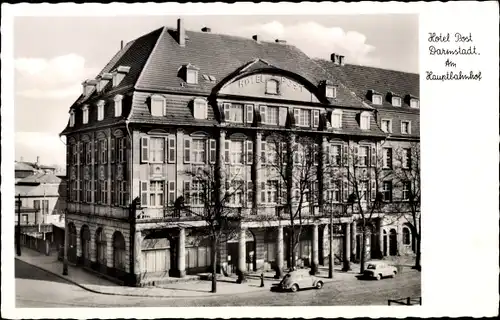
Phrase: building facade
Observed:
(175, 101)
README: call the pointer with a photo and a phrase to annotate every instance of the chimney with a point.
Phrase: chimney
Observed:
(335, 58)
(280, 41)
(181, 33)
(206, 29)
(121, 45)
(340, 60)
(37, 160)
(255, 37)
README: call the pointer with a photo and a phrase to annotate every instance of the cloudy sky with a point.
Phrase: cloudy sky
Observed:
(53, 55)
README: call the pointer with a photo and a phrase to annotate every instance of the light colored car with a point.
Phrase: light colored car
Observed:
(379, 270)
(299, 279)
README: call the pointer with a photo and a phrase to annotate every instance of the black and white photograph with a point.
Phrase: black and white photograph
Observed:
(221, 160)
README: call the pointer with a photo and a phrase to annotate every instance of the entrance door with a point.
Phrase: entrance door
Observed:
(385, 244)
(232, 257)
(393, 243)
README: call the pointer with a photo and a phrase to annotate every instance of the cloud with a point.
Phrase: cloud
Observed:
(48, 146)
(54, 78)
(317, 41)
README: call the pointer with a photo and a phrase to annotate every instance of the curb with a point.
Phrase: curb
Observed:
(127, 294)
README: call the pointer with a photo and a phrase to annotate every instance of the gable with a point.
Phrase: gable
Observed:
(256, 85)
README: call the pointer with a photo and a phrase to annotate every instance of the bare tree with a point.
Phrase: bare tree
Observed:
(365, 172)
(209, 200)
(291, 169)
(407, 177)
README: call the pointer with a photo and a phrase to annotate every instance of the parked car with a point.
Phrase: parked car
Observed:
(299, 279)
(379, 270)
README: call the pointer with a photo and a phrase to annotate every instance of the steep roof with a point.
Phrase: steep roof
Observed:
(39, 190)
(24, 166)
(361, 79)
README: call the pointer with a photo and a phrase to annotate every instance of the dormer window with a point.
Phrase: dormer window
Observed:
(377, 99)
(158, 106)
(330, 91)
(336, 119)
(100, 110)
(396, 101)
(85, 110)
(272, 87)
(365, 121)
(200, 108)
(414, 103)
(71, 118)
(192, 76)
(119, 74)
(118, 105)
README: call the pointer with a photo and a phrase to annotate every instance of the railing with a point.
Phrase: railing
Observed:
(409, 301)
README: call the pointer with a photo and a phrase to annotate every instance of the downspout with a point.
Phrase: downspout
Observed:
(132, 213)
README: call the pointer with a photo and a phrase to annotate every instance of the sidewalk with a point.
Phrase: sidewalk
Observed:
(93, 283)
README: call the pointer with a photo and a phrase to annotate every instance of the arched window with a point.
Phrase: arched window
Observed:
(158, 106)
(406, 236)
(118, 251)
(101, 246)
(336, 120)
(365, 121)
(200, 108)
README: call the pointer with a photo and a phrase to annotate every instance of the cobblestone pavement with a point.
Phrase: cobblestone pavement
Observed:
(38, 288)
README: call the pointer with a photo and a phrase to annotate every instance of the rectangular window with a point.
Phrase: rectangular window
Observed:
(386, 126)
(272, 191)
(406, 190)
(121, 149)
(187, 150)
(36, 205)
(158, 106)
(104, 151)
(396, 101)
(236, 193)
(333, 193)
(249, 193)
(330, 92)
(118, 107)
(387, 160)
(88, 153)
(156, 191)
(337, 119)
(249, 108)
(377, 99)
(236, 113)
(315, 118)
(144, 193)
(213, 150)
(171, 192)
(198, 150)
(103, 191)
(100, 112)
(263, 152)
(88, 191)
(156, 149)
(335, 155)
(113, 149)
(406, 158)
(405, 127)
(365, 122)
(236, 152)
(363, 190)
(363, 156)
(272, 115)
(171, 149)
(249, 152)
(85, 115)
(304, 118)
(145, 149)
(191, 76)
(197, 193)
(414, 103)
(387, 190)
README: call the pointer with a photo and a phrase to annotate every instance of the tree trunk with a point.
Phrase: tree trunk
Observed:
(330, 256)
(363, 251)
(215, 250)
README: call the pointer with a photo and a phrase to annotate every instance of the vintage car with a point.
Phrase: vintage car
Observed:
(299, 279)
(379, 270)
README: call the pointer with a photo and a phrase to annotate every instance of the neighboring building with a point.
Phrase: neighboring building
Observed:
(174, 100)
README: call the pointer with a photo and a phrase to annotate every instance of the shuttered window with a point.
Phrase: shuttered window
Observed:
(171, 149)
(213, 150)
(249, 113)
(145, 149)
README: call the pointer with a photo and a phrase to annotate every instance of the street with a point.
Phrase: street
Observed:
(37, 288)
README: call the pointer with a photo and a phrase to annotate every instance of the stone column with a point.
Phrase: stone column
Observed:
(279, 253)
(181, 253)
(347, 247)
(353, 240)
(242, 254)
(257, 163)
(315, 257)
(138, 256)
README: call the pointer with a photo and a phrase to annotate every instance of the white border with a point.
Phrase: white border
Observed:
(460, 163)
